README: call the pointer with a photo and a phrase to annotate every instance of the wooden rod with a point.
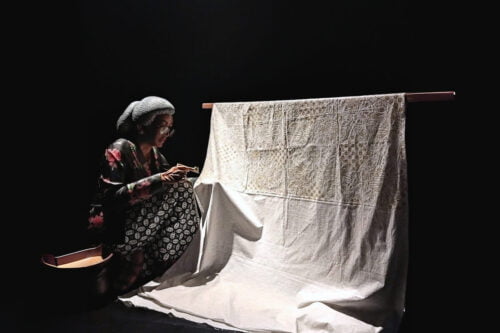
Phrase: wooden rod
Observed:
(430, 96)
(433, 96)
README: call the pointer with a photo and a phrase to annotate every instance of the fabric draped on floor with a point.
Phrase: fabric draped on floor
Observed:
(304, 220)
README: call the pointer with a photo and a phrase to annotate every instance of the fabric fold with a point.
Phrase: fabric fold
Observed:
(305, 218)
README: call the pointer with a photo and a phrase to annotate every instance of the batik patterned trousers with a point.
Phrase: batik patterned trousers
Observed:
(159, 229)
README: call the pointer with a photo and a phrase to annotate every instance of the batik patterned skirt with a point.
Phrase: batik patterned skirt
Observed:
(160, 228)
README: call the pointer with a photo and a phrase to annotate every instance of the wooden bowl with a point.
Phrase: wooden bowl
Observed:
(76, 260)
(80, 277)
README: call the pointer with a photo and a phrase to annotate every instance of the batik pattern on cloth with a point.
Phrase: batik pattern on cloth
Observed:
(162, 226)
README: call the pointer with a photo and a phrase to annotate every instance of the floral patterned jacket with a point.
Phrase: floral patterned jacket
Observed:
(124, 181)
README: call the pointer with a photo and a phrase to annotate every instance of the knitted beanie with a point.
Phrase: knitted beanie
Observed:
(143, 112)
(124, 123)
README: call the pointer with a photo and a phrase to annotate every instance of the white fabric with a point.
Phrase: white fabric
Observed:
(304, 220)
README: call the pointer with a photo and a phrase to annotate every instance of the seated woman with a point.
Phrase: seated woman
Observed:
(144, 211)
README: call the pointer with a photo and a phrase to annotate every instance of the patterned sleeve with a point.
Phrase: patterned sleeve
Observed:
(117, 193)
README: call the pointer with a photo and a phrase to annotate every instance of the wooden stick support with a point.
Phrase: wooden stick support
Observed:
(433, 96)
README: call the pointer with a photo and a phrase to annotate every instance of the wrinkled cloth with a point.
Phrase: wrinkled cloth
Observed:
(305, 220)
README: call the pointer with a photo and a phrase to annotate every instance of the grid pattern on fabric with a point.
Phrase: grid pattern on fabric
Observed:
(333, 149)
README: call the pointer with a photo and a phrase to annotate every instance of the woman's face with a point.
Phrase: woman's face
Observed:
(160, 129)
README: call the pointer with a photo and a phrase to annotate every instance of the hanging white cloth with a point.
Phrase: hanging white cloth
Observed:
(305, 220)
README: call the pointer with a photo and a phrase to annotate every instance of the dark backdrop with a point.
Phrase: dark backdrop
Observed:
(98, 56)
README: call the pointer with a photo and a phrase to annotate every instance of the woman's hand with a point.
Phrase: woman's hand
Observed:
(174, 174)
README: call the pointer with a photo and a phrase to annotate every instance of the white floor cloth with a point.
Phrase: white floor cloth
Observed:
(304, 220)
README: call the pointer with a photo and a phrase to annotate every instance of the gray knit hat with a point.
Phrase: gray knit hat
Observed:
(143, 112)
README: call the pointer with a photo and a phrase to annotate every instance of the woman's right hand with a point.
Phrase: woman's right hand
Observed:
(174, 174)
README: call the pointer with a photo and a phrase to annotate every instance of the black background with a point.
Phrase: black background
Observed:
(81, 66)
